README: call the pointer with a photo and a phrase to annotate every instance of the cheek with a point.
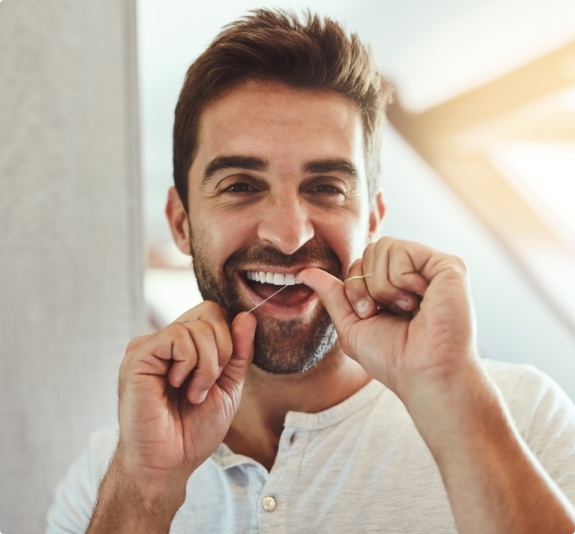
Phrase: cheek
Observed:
(216, 238)
(360, 240)
(357, 228)
(348, 240)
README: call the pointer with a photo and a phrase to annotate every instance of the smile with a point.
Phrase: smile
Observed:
(276, 279)
(283, 294)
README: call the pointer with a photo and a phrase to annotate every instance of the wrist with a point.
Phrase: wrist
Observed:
(440, 383)
(135, 502)
(459, 412)
(451, 398)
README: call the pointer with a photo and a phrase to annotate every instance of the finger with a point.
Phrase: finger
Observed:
(207, 310)
(395, 286)
(357, 292)
(173, 353)
(152, 360)
(243, 330)
(331, 292)
(204, 310)
(210, 367)
(406, 262)
(218, 318)
(207, 369)
(183, 355)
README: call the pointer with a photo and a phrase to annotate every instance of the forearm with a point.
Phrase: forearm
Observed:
(128, 504)
(494, 483)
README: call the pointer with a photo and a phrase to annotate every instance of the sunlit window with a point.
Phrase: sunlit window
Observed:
(544, 174)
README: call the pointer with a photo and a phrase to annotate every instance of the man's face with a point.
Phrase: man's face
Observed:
(277, 185)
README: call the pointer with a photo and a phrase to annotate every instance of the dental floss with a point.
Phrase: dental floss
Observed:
(358, 277)
(293, 283)
(273, 295)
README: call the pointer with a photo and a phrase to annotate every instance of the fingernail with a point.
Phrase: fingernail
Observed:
(201, 396)
(362, 306)
(402, 304)
(400, 307)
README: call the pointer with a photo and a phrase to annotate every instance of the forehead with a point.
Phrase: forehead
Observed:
(272, 120)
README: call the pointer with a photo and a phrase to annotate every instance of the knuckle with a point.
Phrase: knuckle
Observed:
(396, 277)
(458, 265)
(203, 328)
(136, 342)
(176, 328)
(455, 268)
(211, 372)
(357, 262)
(371, 247)
(461, 264)
(214, 309)
(225, 350)
(177, 331)
(396, 248)
(387, 242)
(207, 372)
(133, 349)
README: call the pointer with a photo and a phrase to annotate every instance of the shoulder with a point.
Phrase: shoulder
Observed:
(541, 410)
(516, 381)
(101, 446)
(77, 492)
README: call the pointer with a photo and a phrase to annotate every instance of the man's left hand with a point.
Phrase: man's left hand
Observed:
(404, 314)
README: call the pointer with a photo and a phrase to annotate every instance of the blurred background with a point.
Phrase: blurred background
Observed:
(478, 160)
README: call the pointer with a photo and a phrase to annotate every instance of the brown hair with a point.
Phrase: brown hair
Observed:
(276, 45)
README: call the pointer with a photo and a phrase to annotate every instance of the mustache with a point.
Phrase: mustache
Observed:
(310, 253)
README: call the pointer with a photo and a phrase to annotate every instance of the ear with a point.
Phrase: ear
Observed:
(178, 220)
(376, 214)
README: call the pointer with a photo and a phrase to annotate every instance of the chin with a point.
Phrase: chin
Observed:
(288, 351)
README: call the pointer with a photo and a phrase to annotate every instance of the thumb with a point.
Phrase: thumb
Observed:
(243, 330)
(331, 291)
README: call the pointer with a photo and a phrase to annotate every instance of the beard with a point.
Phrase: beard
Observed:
(281, 346)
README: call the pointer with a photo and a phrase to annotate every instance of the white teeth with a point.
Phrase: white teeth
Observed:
(276, 279)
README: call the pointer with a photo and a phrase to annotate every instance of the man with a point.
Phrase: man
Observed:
(353, 400)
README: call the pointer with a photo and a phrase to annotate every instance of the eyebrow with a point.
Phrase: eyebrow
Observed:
(250, 163)
(326, 166)
(246, 163)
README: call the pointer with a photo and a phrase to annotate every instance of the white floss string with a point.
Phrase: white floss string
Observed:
(359, 277)
(273, 295)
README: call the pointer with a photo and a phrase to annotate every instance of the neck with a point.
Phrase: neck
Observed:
(266, 399)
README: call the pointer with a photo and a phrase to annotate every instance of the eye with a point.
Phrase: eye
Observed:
(239, 188)
(328, 189)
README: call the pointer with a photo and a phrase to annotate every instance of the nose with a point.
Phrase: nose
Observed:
(286, 224)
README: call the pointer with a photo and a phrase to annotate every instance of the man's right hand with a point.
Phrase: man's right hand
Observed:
(179, 389)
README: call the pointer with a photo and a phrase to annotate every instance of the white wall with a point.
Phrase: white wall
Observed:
(70, 246)
(514, 323)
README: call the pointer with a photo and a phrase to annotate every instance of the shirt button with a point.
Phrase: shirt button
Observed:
(269, 504)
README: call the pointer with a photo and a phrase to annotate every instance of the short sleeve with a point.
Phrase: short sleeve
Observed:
(545, 417)
(76, 495)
